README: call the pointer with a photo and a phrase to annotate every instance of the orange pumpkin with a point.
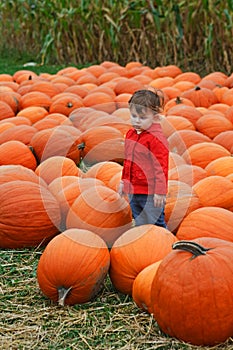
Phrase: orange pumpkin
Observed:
(101, 143)
(30, 214)
(222, 166)
(181, 140)
(141, 291)
(213, 124)
(23, 133)
(198, 309)
(170, 70)
(56, 166)
(201, 97)
(128, 86)
(6, 111)
(19, 172)
(11, 98)
(100, 210)
(60, 182)
(17, 120)
(69, 193)
(188, 173)
(33, 113)
(103, 171)
(101, 101)
(188, 76)
(73, 266)
(203, 153)
(224, 139)
(175, 160)
(16, 152)
(214, 190)
(180, 201)
(35, 98)
(65, 104)
(54, 142)
(47, 87)
(177, 101)
(213, 222)
(136, 249)
(189, 112)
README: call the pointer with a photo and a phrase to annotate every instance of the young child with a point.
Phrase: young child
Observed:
(145, 168)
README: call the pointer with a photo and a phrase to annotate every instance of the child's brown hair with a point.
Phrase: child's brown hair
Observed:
(153, 100)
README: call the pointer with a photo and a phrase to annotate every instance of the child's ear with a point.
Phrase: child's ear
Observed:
(157, 118)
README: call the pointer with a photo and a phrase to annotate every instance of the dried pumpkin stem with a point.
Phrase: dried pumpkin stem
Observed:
(178, 100)
(191, 247)
(81, 146)
(62, 294)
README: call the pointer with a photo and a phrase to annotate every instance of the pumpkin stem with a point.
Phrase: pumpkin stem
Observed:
(191, 247)
(62, 294)
(34, 153)
(178, 100)
(81, 146)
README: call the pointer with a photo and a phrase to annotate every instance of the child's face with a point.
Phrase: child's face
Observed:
(141, 121)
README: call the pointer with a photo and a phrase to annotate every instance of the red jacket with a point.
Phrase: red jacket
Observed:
(145, 169)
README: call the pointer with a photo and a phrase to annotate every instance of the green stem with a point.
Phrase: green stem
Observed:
(191, 247)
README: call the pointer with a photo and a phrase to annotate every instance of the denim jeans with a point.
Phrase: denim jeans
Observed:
(144, 211)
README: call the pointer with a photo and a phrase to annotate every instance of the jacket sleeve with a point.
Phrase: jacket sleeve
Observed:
(160, 159)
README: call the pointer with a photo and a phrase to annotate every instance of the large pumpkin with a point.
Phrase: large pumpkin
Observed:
(73, 267)
(213, 222)
(214, 190)
(56, 166)
(55, 142)
(203, 153)
(68, 194)
(192, 295)
(14, 172)
(29, 214)
(101, 143)
(101, 210)
(180, 201)
(137, 248)
(16, 152)
(104, 171)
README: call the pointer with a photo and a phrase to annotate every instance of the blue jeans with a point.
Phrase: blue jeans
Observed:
(144, 211)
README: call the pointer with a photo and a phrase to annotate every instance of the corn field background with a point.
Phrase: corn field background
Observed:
(195, 35)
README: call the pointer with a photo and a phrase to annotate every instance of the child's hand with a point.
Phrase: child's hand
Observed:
(120, 188)
(159, 200)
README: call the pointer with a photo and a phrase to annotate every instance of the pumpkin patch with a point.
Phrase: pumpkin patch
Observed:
(61, 155)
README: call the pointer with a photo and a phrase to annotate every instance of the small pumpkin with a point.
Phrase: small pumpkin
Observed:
(141, 291)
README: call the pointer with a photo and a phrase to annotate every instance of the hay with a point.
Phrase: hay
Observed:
(112, 321)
